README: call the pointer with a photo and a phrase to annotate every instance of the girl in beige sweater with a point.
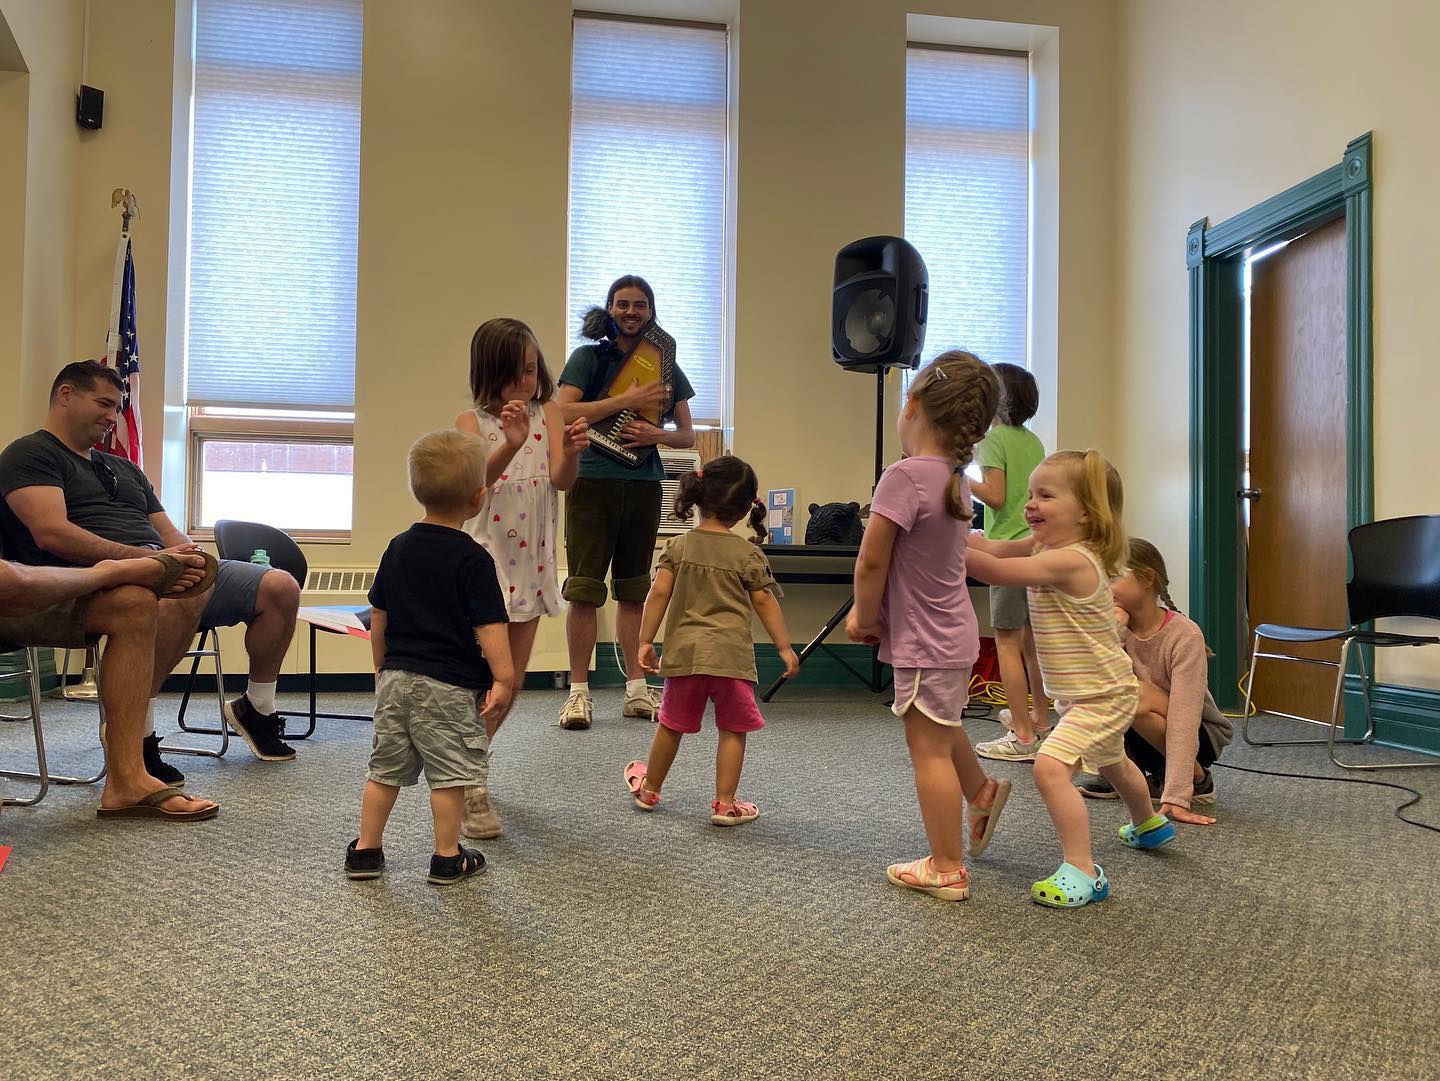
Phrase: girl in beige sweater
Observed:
(1178, 731)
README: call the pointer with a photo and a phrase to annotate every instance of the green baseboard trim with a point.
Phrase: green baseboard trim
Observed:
(325, 682)
(821, 670)
(1406, 717)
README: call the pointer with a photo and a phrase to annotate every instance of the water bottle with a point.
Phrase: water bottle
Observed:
(260, 557)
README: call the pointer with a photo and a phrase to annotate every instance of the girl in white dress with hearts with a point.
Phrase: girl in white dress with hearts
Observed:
(515, 414)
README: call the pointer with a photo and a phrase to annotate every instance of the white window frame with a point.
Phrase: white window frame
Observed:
(189, 425)
(932, 347)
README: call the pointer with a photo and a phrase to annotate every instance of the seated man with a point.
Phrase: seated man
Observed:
(65, 504)
(60, 606)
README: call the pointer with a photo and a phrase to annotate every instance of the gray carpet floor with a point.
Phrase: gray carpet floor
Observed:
(1295, 939)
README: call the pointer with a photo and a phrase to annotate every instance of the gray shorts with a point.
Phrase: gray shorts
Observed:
(1009, 608)
(61, 625)
(422, 722)
(232, 599)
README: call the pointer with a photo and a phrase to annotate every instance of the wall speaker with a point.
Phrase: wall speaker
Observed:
(880, 304)
(89, 107)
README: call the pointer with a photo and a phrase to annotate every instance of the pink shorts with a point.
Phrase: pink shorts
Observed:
(683, 705)
(939, 693)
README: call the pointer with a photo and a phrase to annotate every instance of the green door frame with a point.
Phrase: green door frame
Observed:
(1215, 256)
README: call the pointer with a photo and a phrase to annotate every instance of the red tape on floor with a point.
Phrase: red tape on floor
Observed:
(4, 855)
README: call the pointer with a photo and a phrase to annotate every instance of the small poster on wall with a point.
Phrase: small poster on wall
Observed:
(780, 502)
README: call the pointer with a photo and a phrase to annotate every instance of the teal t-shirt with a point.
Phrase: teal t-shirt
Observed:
(1017, 451)
(590, 369)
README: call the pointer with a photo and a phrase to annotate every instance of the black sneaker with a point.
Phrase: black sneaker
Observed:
(156, 766)
(363, 862)
(466, 862)
(1098, 788)
(1204, 791)
(260, 731)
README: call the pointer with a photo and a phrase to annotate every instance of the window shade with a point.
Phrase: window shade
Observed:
(967, 197)
(648, 142)
(274, 203)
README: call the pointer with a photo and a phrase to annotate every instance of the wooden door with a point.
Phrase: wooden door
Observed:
(1296, 548)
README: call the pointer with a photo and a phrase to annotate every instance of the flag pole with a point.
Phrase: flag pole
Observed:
(120, 346)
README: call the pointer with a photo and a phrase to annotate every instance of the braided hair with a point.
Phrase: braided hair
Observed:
(1147, 562)
(726, 489)
(959, 394)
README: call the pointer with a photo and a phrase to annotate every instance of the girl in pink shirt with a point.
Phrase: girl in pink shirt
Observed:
(911, 599)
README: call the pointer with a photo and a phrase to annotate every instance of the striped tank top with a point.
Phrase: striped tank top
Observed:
(1077, 639)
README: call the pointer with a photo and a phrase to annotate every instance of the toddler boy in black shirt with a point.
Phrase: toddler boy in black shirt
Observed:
(442, 659)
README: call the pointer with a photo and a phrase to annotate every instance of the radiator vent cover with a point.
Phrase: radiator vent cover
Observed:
(340, 580)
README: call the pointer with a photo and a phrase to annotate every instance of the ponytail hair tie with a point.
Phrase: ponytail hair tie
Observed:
(699, 474)
(758, 503)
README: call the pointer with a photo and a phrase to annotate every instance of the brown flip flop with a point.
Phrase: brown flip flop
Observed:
(149, 807)
(175, 567)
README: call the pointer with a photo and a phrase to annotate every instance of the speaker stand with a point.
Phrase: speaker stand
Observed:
(875, 681)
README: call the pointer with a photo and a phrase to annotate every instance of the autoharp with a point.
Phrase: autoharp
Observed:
(651, 360)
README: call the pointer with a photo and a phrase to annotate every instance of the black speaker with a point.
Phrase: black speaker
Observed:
(880, 304)
(89, 107)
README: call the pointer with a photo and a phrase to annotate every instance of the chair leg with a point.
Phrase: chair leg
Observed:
(211, 635)
(1337, 718)
(1255, 656)
(313, 715)
(43, 778)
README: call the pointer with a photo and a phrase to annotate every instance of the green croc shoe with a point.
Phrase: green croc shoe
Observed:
(1070, 887)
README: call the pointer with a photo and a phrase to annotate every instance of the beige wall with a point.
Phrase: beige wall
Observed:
(48, 34)
(1222, 107)
(464, 147)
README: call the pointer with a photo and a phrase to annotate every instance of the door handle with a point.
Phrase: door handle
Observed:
(1249, 493)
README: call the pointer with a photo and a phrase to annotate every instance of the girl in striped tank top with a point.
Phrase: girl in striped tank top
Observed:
(1077, 545)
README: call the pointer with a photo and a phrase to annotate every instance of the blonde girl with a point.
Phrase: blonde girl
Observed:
(911, 599)
(1074, 514)
(532, 454)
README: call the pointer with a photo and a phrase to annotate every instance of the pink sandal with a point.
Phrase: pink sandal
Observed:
(635, 782)
(985, 812)
(733, 814)
(921, 875)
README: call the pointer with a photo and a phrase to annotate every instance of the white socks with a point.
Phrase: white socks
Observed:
(634, 688)
(261, 697)
(580, 688)
(150, 717)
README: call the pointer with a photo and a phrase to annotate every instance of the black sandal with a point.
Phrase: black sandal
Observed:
(466, 862)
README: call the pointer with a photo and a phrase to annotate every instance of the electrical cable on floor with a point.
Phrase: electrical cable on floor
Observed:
(1415, 797)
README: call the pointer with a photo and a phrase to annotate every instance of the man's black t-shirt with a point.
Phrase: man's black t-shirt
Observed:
(435, 586)
(118, 510)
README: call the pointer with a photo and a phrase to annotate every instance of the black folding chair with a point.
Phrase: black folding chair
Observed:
(1396, 572)
(239, 540)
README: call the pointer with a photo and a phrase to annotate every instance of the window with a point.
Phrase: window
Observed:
(649, 140)
(967, 196)
(270, 288)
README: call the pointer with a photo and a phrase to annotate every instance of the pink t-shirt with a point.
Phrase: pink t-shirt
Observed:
(929, 622)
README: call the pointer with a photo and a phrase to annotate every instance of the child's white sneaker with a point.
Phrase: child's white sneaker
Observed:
(1008, 748)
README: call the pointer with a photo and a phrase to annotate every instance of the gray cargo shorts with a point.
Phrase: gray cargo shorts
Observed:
(1009, 608)
(421, 722)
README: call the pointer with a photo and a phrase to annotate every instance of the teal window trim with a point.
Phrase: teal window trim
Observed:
(1214, 256)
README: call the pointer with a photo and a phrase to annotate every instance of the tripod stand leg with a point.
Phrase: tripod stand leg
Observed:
(812, 645)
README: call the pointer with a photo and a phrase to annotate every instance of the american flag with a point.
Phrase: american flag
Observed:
(123, 354)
